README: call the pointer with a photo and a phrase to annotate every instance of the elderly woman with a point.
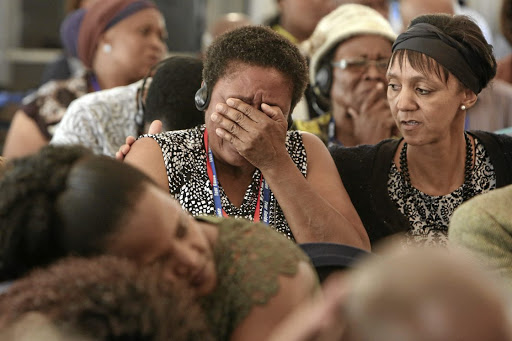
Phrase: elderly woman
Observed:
(242, 162)
(413, 185)
(65, 201)
(118, 42)
(349, 52)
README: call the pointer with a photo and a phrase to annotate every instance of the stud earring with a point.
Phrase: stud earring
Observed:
(462, 107)
(107, 48)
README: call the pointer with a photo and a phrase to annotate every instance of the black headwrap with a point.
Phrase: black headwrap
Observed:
(454, 56)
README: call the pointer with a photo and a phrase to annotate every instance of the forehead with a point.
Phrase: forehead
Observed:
(411, 63)
(252, 82)
(148, 229)
(364, 45)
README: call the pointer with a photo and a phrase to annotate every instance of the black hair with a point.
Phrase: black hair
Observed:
(170, 97)
(61, 201)
(256, 46)
(462, 29)
(107, 298)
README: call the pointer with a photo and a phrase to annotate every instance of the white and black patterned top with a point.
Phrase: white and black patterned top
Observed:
(430, 216)
(185, 160)
(101, 120)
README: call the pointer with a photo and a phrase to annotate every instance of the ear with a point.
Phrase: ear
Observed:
(469, 98)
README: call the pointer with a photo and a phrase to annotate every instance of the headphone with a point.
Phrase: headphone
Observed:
(320, 92)
(202, 97)
(323, 80)
(202, 100)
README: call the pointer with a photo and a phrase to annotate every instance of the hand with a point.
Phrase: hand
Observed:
(373, 122)
(154, 128)
(258, 136)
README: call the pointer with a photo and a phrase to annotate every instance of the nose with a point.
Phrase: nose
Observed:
(186, 260)
(157, 43)
(405, 101)
(373, 72)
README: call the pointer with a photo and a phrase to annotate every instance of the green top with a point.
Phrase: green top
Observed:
(483, 227)
(249, 259)
(318, 126)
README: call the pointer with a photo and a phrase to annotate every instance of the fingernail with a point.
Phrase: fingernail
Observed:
(230, 102)
(219, 107)
(214, 117)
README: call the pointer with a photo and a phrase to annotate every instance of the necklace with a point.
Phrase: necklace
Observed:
(467, 188)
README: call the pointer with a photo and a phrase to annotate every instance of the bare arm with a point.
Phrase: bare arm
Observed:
(24, 137)
(292, 293)
(146, 155)
(318, 209)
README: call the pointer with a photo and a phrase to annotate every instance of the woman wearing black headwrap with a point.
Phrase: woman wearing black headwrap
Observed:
(413, 185)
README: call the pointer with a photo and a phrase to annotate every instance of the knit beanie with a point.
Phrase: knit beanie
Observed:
(343, 23)
(101, 16)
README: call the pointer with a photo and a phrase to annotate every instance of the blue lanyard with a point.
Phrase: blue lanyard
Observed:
(219, 211)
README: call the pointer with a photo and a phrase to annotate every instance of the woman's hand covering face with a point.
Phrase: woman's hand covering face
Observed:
(257, 134)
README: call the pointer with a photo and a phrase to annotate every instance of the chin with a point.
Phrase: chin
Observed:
(231, 157)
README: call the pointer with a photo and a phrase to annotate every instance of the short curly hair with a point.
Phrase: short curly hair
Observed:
(108, 298)
(256, 46)
(170, 96)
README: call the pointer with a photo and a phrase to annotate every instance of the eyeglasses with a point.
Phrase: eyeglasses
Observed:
(362, 64)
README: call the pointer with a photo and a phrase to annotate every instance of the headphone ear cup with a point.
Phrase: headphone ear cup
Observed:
(202, 98)
(323, 80)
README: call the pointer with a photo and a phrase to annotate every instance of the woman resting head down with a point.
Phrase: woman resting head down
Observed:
(65, 201)
(243, 162)
(118, 41)
(438, 67)
(101, 298)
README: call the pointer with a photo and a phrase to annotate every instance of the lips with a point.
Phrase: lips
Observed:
(410, 123)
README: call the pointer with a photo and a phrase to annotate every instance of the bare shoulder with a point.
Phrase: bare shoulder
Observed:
(23, 137)
(146, 155)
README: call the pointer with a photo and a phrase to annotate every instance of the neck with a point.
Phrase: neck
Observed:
(234, 180)
(437, 169)
(109, 77)
(299, 36)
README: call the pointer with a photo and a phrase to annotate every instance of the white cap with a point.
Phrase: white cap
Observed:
(344, 22)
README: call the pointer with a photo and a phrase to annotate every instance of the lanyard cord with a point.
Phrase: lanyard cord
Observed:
(212, 175)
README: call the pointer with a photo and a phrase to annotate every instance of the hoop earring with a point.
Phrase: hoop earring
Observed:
(107, 48)
(462, 107)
